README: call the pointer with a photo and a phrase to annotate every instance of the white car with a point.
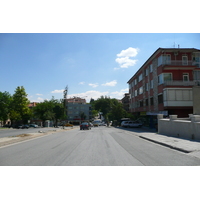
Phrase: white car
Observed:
(134, 125)
(124, 123)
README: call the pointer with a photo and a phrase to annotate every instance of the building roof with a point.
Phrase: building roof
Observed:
(76, 100)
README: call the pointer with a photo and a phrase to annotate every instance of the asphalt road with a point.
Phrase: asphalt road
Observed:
(100, 146)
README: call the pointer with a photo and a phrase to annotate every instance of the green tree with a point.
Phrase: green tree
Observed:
(59, 110)
(83, 116)
(44, 111)
(19, 106)
(117, 112)
(50, 110)
(112, 109)
(5, 103)
(103, 104)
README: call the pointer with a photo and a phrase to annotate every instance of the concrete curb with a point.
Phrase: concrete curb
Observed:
(166, 145)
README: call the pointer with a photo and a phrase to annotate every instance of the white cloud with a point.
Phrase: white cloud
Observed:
(130, 52)
(125, 62)
(119, 94)
(124, 58)
(93, 84)
(89, 94)
(112, 83)
(116, 68)
(40, 99)
(57, 91)
(39, 94)
(81, 83)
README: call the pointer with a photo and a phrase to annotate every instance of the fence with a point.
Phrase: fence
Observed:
(188, 128)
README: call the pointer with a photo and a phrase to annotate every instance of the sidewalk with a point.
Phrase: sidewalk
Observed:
(191, 147)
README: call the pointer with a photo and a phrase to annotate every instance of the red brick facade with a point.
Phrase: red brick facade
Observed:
(164, 83)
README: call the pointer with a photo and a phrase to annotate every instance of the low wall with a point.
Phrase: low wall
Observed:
(188, 128)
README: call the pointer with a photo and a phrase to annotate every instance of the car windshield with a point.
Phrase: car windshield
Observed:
(84, 123)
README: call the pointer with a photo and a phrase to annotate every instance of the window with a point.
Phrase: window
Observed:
(164, 59)
(184, 60)
(196, 59)
(141, 103)
(147, 102)
(147, 86)
(160, 98)
(160, 79)
(151, 84)
(159, 60)
(140, 78)
(135, 93)
(164, 77)
(151, 101)
(150, 68)
(141, 90)
(146, 71)
(196, 75)
(135, 81)
(167, 77)
(185, 77)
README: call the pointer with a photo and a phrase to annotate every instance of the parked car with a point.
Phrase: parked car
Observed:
(17, 126)
(25, 126)
(133, 124)
(7, 126)
(69, 125)
(85, 125)
(124, 123)
(33, 125)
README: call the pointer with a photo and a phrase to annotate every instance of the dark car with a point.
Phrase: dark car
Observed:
(33, 125)
(7, 126)
(17, 126)
(84, 126)
(25, 126)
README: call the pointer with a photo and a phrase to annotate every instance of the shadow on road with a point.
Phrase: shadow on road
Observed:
(138, 130)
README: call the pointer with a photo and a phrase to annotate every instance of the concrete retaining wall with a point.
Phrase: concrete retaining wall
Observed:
(188, 128)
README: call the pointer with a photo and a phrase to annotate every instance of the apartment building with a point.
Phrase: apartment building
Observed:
(164, 84)
(75, 108)
(125, 101)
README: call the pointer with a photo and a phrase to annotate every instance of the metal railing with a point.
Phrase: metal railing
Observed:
(181, 63)
(181, 83)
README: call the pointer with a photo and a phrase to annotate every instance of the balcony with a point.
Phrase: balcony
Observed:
(181, 83)
(180, 63)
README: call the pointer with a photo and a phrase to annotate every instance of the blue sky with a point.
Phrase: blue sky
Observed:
(91, 64)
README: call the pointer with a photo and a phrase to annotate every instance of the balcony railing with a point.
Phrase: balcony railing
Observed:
(181, 83)
(180, 63)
